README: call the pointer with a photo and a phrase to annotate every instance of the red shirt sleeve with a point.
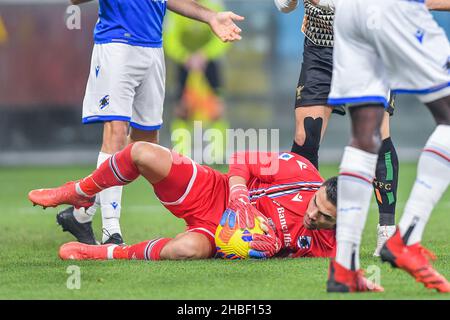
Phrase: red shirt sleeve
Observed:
(269, 167)
(252, 164)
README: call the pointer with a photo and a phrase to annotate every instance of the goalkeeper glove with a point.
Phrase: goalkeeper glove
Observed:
(239, 203)
(263, 246)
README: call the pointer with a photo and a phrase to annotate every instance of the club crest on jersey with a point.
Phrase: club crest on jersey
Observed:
(304, 242)
(285, 156)
(104, 102)
(447, 65)
(420, 34)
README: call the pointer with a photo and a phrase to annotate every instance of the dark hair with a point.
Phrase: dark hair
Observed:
(331, 189)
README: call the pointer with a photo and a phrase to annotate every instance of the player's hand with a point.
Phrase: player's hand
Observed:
(240, 214)
(222, 24)
(239, 203)
(263, 246)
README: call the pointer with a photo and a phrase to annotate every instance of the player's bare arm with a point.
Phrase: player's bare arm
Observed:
(221, 23)
(286, 6)
(439, 5)
(324, 4)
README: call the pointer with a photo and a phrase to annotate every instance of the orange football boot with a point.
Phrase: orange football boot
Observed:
(341, 279)
(82, 251)
(414, 260)
(65, 194)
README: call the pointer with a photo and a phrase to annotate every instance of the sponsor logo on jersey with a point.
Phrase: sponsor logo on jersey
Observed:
(302, 165)
(304, 242)
(97, 71)
(287, 238)
(297, 198)
(285, 156)
(114, 205)
(104, 102)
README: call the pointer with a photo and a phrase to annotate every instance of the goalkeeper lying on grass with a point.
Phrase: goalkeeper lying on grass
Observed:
(295, 207)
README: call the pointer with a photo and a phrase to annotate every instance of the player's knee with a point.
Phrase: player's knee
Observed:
(189, 249)
(367, 142)
(440, 110)
(143, 152)
(310, 135)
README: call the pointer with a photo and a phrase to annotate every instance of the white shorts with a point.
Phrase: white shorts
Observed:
(383, 45)
(126, 83)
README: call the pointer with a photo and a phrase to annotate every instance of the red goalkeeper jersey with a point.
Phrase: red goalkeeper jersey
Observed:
(281, 186)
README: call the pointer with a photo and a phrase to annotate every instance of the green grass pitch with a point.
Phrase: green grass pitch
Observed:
(31, 269)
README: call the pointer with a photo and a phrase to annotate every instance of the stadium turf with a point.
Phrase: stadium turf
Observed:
(31, 269)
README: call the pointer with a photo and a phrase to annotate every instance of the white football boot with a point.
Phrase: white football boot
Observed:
(384, 233)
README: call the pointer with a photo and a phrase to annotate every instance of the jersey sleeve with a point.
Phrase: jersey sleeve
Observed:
(269, 167)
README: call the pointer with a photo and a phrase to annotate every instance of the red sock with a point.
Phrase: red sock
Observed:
(147, 250)
(119, 170)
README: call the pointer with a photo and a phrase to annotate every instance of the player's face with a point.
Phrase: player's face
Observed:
(321, 213)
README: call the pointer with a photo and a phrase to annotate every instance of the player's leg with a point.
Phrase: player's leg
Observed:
(385, 186)
(114, 139)
(357, 172)
(146, 120)
(433, 175)
(152, 161)
(404, 249)
(417, 55)
(108, 100)
(310, 125)
(187, 245)
(360, 82)
(136, 135)
(311, 110)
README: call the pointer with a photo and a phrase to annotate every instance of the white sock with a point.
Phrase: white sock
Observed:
(86, 215)
(110, 204)
(433, 177)
(83, 215)
(356, 174)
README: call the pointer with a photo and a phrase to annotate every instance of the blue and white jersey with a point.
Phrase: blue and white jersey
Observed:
(134, 22)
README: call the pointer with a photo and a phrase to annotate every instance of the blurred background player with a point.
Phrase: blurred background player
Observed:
(312, 111)
(297, 206)
(403, 50)
(196, 52)
(126, 89)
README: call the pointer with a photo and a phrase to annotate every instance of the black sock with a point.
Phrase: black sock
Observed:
(386, 182)
(310, 148)
(310, 153)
